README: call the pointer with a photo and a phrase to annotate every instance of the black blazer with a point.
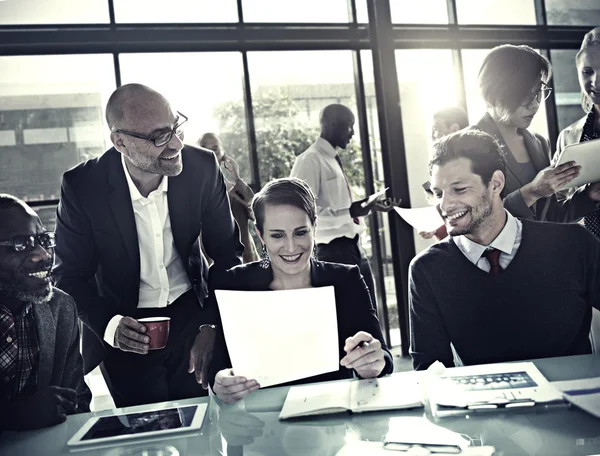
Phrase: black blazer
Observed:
(355, 311)
(545, 209)
(97, 253)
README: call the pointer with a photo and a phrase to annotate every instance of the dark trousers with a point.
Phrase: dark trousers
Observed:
(161, 375)
(347, 251)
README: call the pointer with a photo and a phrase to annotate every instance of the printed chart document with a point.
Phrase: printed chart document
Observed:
(425, 219)
(368, 395)
(489, 386)
(587, 155)
(583, 393)
(280, 336)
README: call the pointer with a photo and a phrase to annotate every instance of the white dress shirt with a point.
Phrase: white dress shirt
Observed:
(162, 275)
(318, 167)
(508, 242)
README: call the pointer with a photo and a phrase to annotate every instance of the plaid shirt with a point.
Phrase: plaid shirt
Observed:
(19, 351)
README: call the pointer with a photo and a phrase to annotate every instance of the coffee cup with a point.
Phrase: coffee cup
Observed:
(157, 329)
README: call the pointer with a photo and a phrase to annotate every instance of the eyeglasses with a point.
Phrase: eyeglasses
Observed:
(162, 138)
(25, 242)
(540, 95)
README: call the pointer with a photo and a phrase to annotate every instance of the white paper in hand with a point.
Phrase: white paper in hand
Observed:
(280, 336)
(425, 219)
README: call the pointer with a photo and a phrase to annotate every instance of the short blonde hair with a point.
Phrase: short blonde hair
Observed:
(591, 38)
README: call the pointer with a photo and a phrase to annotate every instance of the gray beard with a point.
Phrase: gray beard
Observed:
(11, 292)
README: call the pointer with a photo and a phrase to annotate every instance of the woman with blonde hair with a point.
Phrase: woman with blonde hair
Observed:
(588, 127)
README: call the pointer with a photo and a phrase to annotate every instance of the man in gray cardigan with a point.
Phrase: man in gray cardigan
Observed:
(41, 370)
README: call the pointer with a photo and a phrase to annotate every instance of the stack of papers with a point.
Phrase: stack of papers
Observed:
(406, 432)
(275, 337)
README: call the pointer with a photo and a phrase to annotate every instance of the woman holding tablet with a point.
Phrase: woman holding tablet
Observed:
(513, 82)
(588, 127)
(285, 212)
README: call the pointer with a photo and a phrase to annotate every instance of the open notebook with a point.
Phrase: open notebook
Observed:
(388, 393)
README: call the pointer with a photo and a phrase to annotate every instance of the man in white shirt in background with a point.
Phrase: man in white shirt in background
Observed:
(128, 225)
(338, 217)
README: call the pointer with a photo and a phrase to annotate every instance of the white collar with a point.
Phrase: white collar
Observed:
(133, 190)
(326, 147)
(505, 241)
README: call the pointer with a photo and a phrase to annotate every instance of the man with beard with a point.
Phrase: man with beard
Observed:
(41, 371)
(128, 228)
(498, 289)
(339, 225)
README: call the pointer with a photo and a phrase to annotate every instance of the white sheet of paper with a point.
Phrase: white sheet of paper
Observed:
(280, 336)
(374, 197)
(422, 219)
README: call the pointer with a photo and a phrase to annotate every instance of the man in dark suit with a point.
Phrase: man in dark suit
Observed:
(127, 247)
(40, 363)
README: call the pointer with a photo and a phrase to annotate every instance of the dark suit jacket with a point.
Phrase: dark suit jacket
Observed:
(97, 252)
(546, 209)
(59, 362)
(355, 311)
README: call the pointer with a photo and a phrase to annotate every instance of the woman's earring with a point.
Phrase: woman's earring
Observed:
(265, 261)
(314, 252)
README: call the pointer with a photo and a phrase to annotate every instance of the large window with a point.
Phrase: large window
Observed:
(206, 87)
(289, 89)
(566, 86)
(573, 12)
(53, 12)
(51, 118)
(405, 12)
(292, 11)
(159, 11)
(505, 12)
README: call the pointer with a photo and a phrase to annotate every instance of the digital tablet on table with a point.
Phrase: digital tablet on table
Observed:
(149, 423)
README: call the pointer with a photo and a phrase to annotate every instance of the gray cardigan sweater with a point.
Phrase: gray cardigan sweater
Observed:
(60, 362)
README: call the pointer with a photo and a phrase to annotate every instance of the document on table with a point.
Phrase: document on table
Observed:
(426, 219)
(280, 336)
(584, 393)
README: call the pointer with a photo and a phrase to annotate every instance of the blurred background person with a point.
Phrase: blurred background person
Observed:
(514, 82)
(240, 194)
(588, 127)
(320, 166)
(445, 121)
(286, 214)
(448, 120)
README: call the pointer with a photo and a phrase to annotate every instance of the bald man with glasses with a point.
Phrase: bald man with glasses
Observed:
(127, 248)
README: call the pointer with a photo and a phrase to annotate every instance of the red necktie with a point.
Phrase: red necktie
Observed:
(493, 257)
(339, 160)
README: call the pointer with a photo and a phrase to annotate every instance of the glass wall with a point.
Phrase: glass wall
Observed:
(51, 119)
(289, 89)
(158, 11)
(505, 12)
(566, 87)
(53, 12)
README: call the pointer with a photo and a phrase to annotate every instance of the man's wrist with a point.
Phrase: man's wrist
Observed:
(213, 327)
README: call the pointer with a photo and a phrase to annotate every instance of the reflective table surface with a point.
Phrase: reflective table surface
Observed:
(252, 428)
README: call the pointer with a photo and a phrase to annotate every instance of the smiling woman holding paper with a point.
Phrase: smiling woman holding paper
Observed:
(285, 212)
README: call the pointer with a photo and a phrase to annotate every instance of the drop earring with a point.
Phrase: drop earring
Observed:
(265, 261)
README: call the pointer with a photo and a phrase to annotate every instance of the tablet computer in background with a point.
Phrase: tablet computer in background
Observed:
(587, 155)
(150, 423)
